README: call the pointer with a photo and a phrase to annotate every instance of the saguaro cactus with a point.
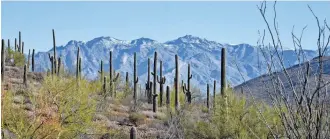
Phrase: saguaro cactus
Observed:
(135, 80)
(176, 83)
(77, 66)
(115, 85)
(168, 96)
(148, 87)
(214, 91)
(2, 59)
(223, 71)
(186, 88)
(127, 80)
(54, 47)
(104, 85)
(155, 74)
(161, 80)
(28, 62)
(208, 97)
(22, 48)
(59, 66)
(112, 80)
(33, 60)
(101, 70)
(51, 59)
(19, 41)
(154, 102)
(8, 44)
(15, 45)
(25, 76)
(133, 133)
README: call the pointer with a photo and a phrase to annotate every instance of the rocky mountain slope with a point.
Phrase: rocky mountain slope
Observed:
(260, 87)
(202, 54)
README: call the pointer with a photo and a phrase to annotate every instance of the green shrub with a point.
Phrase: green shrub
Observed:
(137, 118)
(19, 58)
(62, 109)
(239, 120)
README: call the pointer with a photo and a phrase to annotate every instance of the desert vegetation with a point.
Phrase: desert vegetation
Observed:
(59, 104)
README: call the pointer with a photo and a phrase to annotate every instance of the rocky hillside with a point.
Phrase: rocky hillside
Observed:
(260, 87)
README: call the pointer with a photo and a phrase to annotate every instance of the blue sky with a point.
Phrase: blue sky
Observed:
(224, 22)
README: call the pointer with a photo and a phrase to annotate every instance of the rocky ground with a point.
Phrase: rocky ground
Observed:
(117, 116)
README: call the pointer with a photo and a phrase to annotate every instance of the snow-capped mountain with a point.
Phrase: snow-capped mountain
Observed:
(202, 54)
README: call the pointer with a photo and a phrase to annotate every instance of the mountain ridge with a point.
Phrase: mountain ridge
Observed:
(202, 54)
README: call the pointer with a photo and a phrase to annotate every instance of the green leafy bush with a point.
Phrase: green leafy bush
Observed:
(234, 117)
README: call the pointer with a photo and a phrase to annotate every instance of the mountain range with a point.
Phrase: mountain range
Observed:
(243, 60)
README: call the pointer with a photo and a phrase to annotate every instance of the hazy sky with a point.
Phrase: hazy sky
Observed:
(224, 22)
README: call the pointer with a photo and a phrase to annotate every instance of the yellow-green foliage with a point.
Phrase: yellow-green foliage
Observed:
(62, 110)
(239, 120)
(172, 101)
(19, 58)
(74, 107)
(14, 118)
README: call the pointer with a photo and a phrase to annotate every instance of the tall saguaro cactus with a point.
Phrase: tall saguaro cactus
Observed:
(176, 83)
(186, 88)
(22, 48)
(161, 80)
(51, 59)
(15, 45)
(59, 66)
(155, 74)
(148, 87)
(168, 96)
(104, 86)
(28, 62)
(32, 60)
(214, 91)
(54, 47)
(208, 97)
(77, 66)
(8, 44)
(112, 80)
(135, 80)
(25, 76)
(223, 79)
(154, 95)
(19, 41)
(2, 59)
(101, 70)
(223, 71)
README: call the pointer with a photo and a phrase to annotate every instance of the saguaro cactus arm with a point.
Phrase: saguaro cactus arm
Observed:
(136, 80)
(116, 78)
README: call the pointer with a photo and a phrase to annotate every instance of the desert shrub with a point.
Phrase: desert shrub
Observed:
(13, 118)
(71, 103)
(182, 96)
(63, 108)
(234, 118)
(137, 118)
(19, 58)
